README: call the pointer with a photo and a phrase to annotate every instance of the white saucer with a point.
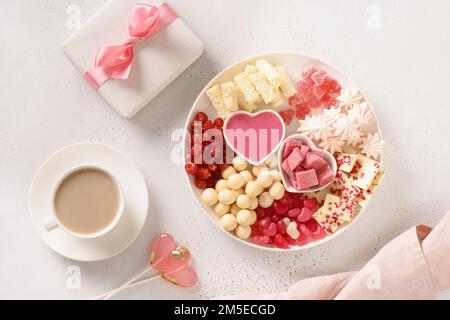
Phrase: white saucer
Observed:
(135, 193)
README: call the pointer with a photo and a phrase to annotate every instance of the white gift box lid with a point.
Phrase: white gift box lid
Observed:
(157, 60)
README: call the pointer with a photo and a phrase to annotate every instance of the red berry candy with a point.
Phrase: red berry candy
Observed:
(281, 227)
(203, 173)
(287, 116)
(271, 230)
(201, 184)
(270, 211)
(218, 123)
(201, 116)
(281, 242)
(207, 125)
(191, 168)
(280, 208)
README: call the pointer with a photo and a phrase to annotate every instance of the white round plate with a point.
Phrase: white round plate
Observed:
(135, 194)
(294, 62)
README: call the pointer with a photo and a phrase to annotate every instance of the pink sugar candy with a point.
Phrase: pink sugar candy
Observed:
(313, 161)
(319, 77)
(306, 179)
(285, 166)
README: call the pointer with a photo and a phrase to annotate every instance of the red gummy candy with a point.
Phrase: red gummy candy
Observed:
(304, 215)
(305, 230)
(281, 242)
(265, 222)
(281, 227)
(319, 233)
(260, 212)
(280, 208)
(312, 204)
(302, 240)
(261, 240)
(312, 225)
(294, 213)
(271, 230)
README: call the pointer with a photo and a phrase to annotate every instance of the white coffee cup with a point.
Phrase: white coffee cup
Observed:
(53, 222)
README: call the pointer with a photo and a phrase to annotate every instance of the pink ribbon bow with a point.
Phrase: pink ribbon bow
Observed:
(116, 61)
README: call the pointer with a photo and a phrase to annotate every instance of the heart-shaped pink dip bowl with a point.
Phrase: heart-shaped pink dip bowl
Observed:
(254, 136)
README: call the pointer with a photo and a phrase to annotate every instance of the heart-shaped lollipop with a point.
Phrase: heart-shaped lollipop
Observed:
(254, 136)
(172, 262)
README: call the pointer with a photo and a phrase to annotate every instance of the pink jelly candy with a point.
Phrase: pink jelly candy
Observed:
(306, 179)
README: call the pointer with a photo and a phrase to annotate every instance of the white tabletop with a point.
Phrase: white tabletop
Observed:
(397, 51)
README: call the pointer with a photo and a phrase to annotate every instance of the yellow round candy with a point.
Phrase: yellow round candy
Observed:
(228, 222)
(240, 164)
(265, 200)
(227, 196)
(253, 189)
(243, 232)
(235, 181)
(254, 204)
(221, 185)
(209, 197)
(234, 209)
(228, 172)
(277, 190)
(247, 175)
(265, 179)
(244, 218)
(244, 201)
(220, 209)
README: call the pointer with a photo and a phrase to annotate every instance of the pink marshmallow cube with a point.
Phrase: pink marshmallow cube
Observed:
(320, 153)
(289, 146)
(313, 161)
(285, 166)
(306, 179)
(295, 158)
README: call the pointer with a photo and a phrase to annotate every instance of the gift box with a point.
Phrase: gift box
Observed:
(130, 51)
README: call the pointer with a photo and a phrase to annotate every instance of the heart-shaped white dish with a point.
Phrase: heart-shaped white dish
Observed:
(328, 157)
(233, 123)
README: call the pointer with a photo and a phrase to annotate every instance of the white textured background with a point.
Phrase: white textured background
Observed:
(403, 66)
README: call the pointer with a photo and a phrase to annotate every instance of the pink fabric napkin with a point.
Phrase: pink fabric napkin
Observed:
(415, 265)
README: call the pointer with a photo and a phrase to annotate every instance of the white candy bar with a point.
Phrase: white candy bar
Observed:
(229, 92)
(247, 88)
(215, 95)
(264, 88)
(287, 87)
(346, 161)
(271, 74)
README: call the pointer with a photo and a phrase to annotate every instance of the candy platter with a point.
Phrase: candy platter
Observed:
(327, 108)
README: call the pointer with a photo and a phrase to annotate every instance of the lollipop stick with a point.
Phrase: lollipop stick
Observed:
(131, 285)
(116, 291)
